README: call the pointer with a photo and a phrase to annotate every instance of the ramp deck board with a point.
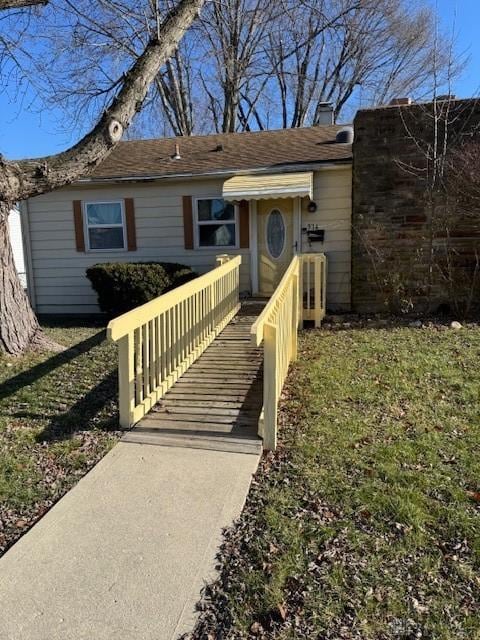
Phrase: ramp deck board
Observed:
(217, 402)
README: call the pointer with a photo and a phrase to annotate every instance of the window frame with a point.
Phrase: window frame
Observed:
(197, 223)
(87, 226)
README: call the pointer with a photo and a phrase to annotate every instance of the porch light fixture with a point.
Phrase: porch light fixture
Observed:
(312, 206)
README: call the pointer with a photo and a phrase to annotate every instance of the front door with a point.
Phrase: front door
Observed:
(275, 242)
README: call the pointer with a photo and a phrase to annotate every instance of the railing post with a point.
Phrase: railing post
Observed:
(237, 285)
(212, 308)
(301, 267)
(126, 380)
(317, 283)
(295, 306)
(270, 376)
(324, 286)
(222, 259)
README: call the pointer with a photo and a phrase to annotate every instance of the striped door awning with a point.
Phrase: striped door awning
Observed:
(273, 185)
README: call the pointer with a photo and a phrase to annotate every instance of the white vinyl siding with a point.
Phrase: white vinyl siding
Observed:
(332, 191)
(59, 270)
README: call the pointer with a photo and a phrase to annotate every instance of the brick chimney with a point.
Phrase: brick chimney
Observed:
(325, 113)
(400, 102)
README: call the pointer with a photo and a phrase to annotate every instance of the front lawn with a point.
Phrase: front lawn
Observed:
(366, 523)
(57, 419)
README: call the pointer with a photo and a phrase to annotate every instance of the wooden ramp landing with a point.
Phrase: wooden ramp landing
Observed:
(217, 402)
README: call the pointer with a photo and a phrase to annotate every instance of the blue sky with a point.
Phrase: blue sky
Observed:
(25, 133)
(466, 14)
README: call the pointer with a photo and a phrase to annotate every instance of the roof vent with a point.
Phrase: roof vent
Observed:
(219, 147)
(345, 136)
(177, 155)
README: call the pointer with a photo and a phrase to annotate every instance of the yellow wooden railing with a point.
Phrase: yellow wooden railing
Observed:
(313, 273)
(159, 340)
(299, 296)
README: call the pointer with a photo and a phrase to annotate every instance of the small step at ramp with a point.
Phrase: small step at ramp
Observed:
(216, 404)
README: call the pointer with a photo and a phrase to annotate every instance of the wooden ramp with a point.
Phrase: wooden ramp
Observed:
(217, 402)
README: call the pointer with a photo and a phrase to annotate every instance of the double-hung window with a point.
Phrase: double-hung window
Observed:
(216, 223)
(104, 225)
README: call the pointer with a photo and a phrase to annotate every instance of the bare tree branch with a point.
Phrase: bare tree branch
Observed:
(23, 179)
(19, 328)
(18, 4)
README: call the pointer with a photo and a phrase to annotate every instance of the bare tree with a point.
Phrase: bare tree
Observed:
(247, 64)
(333, 51)
(458, 262)
(18, 4)
(235, 33)
(174, 89)
(442, 151)
(111, 35)
(437, 130)
(23, 179)
(434, 261)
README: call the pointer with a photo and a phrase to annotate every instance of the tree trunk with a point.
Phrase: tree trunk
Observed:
(22, 179)
(19, 328)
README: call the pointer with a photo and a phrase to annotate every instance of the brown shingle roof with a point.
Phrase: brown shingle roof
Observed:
(224, 152)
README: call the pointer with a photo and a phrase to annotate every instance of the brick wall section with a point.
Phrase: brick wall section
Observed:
(390, 237)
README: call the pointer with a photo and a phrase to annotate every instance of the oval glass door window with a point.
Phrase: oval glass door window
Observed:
(275, 233)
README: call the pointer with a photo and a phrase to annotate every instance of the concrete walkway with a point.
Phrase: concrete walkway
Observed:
(125, 553)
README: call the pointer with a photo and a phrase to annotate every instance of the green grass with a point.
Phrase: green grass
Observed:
(365, 524)
(58, 417)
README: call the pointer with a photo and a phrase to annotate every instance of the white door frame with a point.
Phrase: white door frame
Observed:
(297, 225)
(297, 237)
(253, 247)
